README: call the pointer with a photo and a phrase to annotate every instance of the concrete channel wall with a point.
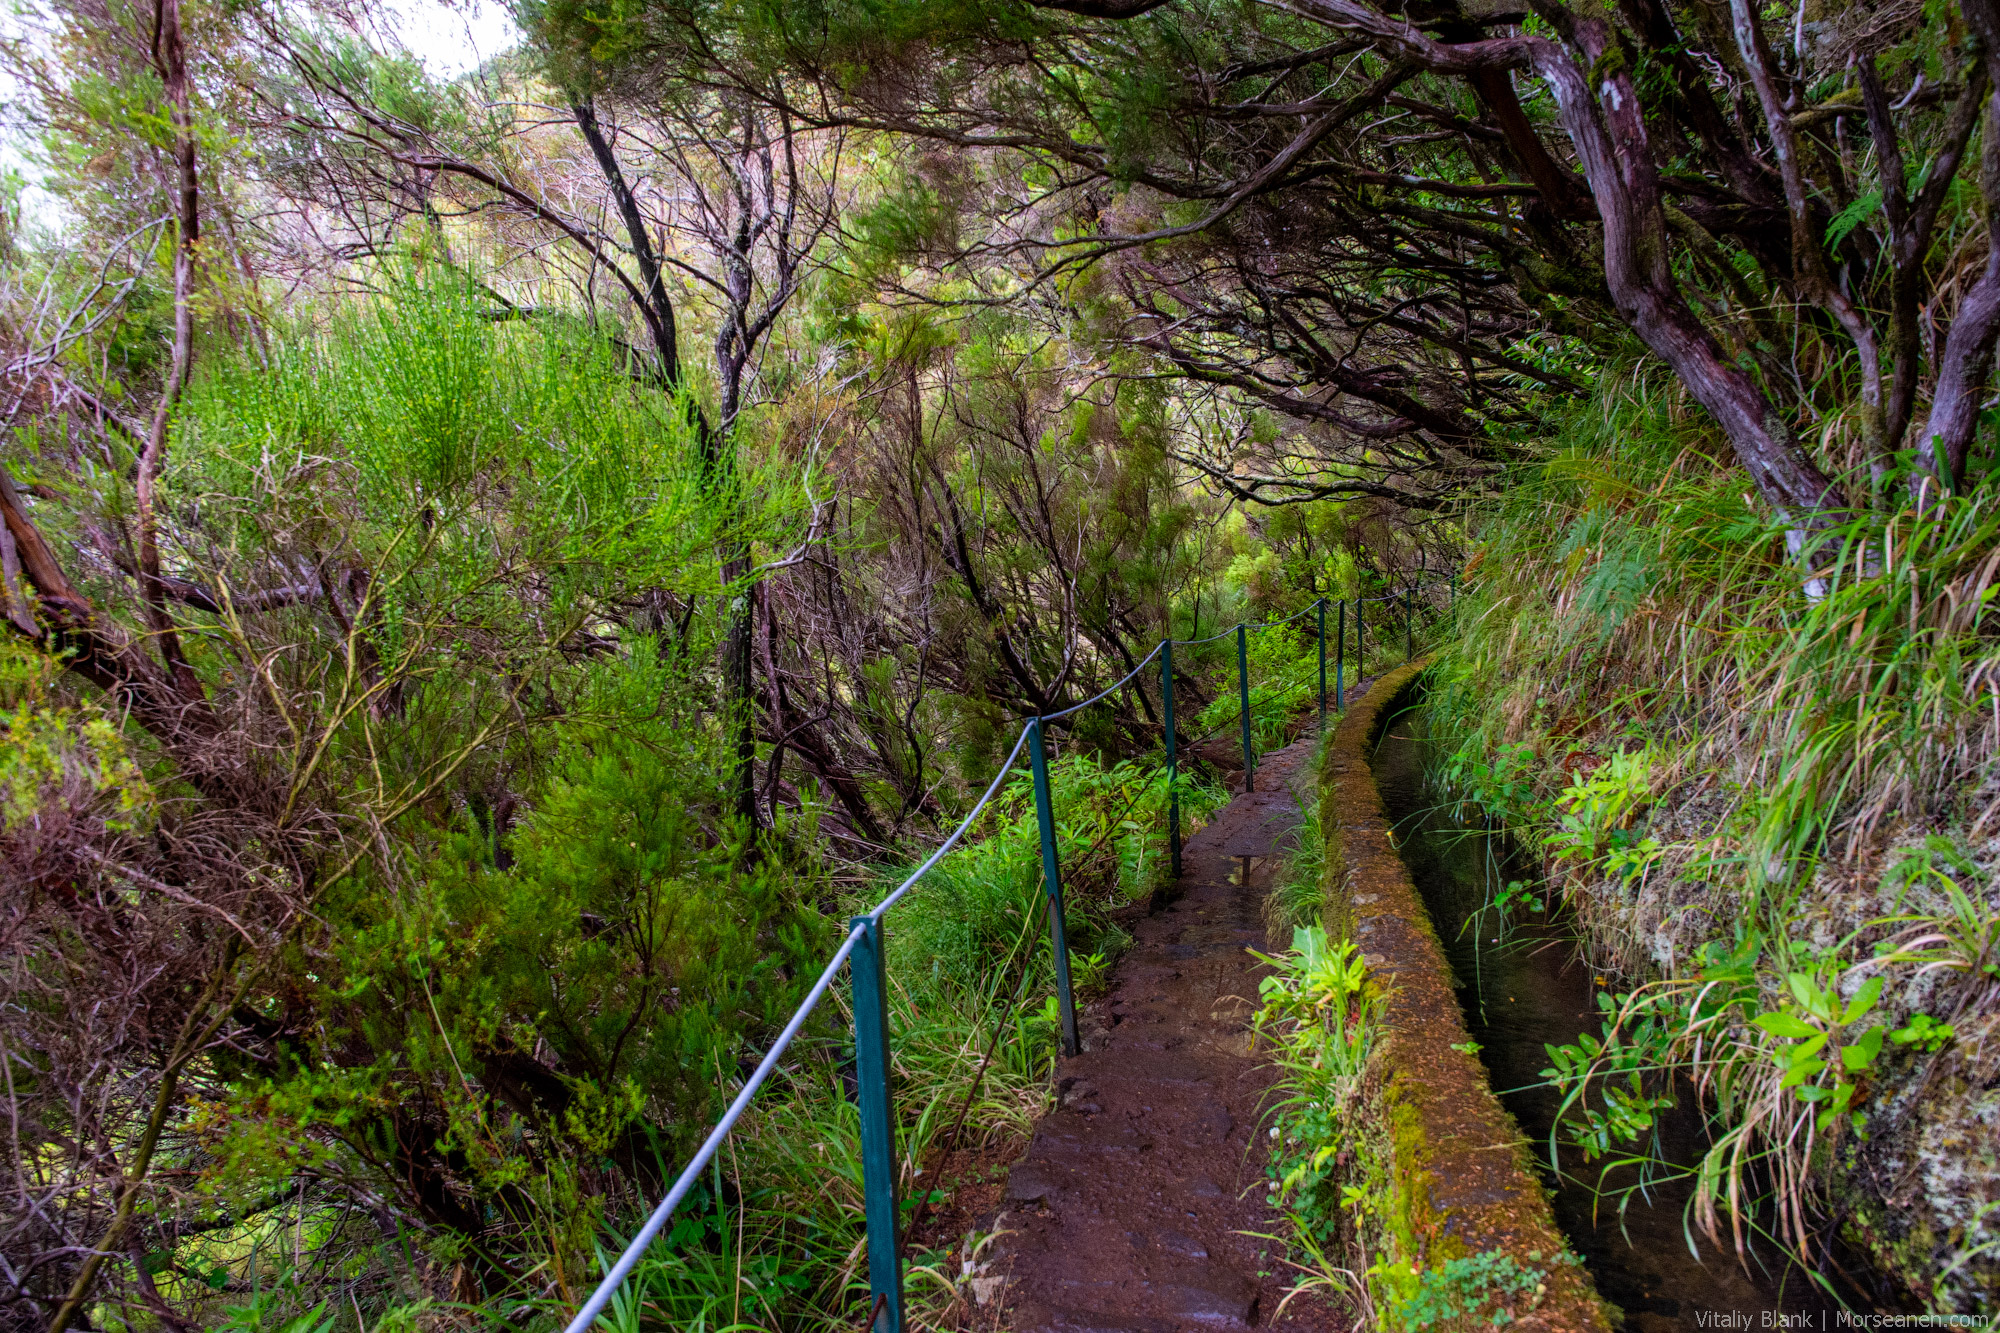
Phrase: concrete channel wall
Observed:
(1461, 1181)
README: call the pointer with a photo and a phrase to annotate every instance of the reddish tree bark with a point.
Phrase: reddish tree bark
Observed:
(1607, 127)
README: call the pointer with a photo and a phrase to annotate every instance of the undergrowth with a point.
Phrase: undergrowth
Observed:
(1284, 684)
(1773, 809)
(1319, 1014)
(773, 1237)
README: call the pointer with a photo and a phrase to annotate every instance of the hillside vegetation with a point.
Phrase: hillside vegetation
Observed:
(1773, 817)
(496, 569)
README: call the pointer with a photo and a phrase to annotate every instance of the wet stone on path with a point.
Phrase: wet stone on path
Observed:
(1137, 1206)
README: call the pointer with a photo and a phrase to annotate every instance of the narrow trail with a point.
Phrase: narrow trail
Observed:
(1137, 1204)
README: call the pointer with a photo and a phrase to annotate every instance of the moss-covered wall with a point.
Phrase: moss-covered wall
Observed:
(1463, 1204)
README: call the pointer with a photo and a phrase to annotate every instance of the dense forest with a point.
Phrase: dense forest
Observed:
(497, 569)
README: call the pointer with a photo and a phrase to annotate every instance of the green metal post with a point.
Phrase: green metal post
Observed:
(1340, 660)
(1052, 881)
(1243, 697)
(878, 1125)
(1173, 761)
(1321, 608)
(1409, 625)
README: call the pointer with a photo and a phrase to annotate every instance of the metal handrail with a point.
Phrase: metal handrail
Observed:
(636, 1248)
(891, 900)
(1119, 684)
(864, 936)
(1273, 624)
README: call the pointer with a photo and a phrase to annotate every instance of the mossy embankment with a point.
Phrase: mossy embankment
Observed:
(1772, 805)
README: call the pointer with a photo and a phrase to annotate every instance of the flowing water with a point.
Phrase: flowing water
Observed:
(1523, 983)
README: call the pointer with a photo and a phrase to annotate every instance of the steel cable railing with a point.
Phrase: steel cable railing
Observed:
(863, 952)
(1196, 643)
(992, 787)
(1113, 689)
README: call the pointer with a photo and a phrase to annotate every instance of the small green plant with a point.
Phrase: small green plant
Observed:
(1628, 861)
(1499, 785)
(1807, 1025)
(1621, 1064)
(1318, 1011)
(1595, 813)
(1518, 894)
(1492, 1285)
(1047, 1020)
(1089, 970)
(1924, 1032)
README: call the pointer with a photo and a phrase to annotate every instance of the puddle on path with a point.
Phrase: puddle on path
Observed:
(1529, 987)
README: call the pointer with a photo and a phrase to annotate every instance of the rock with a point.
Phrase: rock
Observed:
(1027, 1182)
(1210, 1296)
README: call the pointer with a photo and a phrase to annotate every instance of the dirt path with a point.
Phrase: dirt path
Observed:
(1137, 1203)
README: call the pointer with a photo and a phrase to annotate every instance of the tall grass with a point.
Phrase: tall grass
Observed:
(1771, 809)
(1298, 894)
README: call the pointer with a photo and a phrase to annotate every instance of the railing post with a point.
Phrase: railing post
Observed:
(1360, 646)
(1409, 625)
(1340, 660)
(1321, 608)
(1243, 697)
(1173, 762)
(1052, 881)
(878, 1126)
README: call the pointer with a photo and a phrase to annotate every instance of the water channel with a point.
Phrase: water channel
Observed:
(1523, 983)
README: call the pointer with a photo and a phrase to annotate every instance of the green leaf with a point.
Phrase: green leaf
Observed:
(1785, 1025)
(1847, 219)
(1857, 1056)
(1799, 1073)
(1810, 997)
(1863, 1001)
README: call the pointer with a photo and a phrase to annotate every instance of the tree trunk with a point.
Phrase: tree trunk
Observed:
(170, 58)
